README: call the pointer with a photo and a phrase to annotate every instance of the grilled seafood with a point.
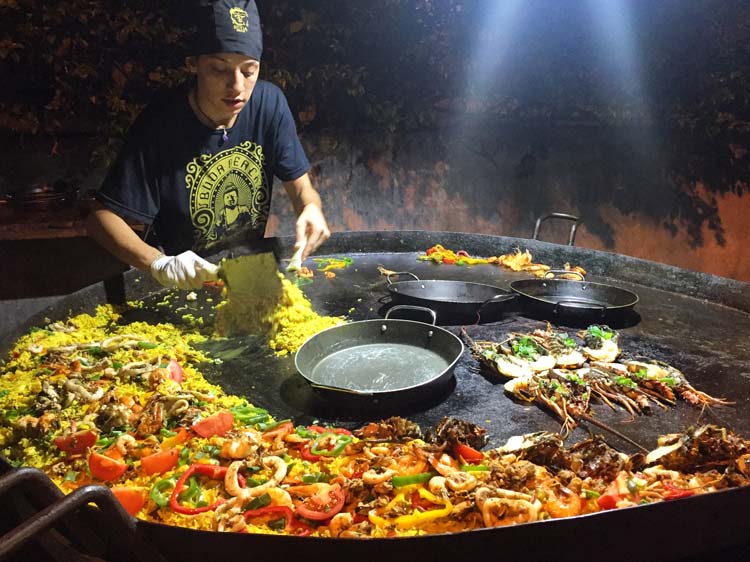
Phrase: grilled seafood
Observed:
(547, 368)
(561, 346)
(452, 430)
(660, 374)
(600, 343)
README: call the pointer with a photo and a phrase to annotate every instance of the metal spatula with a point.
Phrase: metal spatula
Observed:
(251, 276)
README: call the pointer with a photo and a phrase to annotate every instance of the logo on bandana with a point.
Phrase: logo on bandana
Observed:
(228, 190)
(239, 19)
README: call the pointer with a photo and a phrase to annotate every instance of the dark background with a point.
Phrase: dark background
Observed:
(463, 115)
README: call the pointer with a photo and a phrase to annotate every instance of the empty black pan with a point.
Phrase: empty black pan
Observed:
(575, 301)
(454, 302)
(380, 361)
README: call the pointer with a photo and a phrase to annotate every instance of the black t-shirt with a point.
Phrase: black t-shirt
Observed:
(190, 183)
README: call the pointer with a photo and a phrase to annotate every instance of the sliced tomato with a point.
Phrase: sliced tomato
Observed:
(469, 454)
(449, 260)
(106, 468)
(175, 371)
(218, 424)
(610, 497)
(323, 505)
(132, 499)
(161, 462)
(76, 443)
(280, 431)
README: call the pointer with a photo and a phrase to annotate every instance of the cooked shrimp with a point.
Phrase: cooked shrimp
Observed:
(340, 523)
(436, 485)
(125, 444)
(445, 464)
(563, 502)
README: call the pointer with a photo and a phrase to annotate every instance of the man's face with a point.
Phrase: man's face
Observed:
(225, 82)
(230, 199)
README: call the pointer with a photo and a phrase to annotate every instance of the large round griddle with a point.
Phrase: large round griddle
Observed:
(694, 321)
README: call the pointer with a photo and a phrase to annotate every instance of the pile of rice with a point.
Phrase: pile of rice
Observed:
(286, 317)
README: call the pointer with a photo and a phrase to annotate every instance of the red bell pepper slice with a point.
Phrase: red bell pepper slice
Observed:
(282, 430)
(675, 493)
(292, 524)
(306, 454)
(211, 471)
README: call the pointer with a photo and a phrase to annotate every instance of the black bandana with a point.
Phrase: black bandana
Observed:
(228, 26)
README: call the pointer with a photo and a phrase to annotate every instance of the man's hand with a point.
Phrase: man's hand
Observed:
(185, 271)
(312, 229)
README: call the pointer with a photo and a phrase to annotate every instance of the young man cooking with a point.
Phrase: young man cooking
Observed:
(198, 164)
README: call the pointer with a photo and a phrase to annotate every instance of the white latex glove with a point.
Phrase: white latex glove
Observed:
(185, 271)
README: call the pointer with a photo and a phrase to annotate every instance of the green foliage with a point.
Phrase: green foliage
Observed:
(403, 65)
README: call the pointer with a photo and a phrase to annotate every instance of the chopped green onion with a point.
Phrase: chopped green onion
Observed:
(277, 524)
(260, 501)
(399, 481)
(316, 477)
(147, 345)
(591, 494)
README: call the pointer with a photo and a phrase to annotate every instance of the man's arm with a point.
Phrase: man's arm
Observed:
(311, 229)
(184, 271)
(114, 234)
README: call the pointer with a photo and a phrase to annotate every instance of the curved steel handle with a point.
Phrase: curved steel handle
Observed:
(388, 277)
(502, 297)
(556, 272)
(570, 304)
(428, 311)
(564, 216)
(339, 389)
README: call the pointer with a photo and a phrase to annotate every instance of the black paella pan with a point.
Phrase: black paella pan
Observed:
(575, 302)
(454, 302)
(373, 362)
(570, 301)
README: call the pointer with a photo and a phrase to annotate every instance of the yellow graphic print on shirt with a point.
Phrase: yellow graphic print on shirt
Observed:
(228, 190)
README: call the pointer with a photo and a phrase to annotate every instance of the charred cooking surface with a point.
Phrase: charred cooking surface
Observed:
(708, 342)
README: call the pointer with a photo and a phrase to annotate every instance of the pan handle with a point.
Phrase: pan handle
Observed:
(427, 311)
(502, 297)
(339, 389)
(400, 273)
(556, 272)
(589, 306)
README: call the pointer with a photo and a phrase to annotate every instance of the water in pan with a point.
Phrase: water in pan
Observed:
(379, 367)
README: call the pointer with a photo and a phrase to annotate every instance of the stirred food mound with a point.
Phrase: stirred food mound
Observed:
(260, 300)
